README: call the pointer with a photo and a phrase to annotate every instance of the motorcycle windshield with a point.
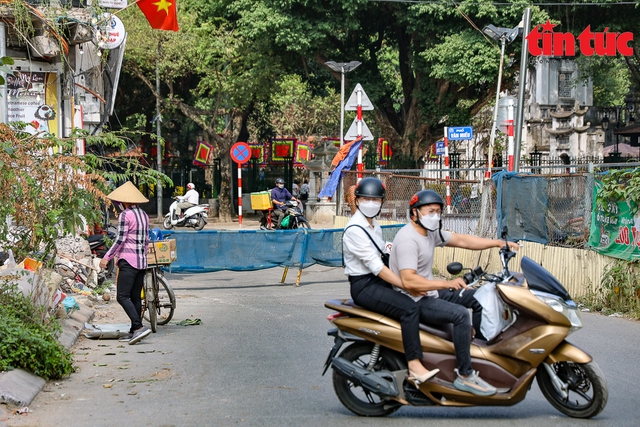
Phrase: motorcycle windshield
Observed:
(541, 280)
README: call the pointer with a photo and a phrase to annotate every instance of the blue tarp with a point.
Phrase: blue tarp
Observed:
(522, 205)
(244, 250)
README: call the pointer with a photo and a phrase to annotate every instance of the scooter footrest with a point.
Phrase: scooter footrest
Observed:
(416, 397)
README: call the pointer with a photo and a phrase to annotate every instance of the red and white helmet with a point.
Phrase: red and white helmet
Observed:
(190, 186)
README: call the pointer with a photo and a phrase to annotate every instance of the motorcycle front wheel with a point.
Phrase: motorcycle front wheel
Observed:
(167, 223)
(355, 398)
(586, 391)
(302, 223)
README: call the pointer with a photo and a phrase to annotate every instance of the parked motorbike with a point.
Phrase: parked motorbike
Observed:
(293, 218)
(195, 216)
(370, 374)
(99, 248)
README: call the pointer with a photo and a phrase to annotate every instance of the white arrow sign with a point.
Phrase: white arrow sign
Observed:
(352, 133)
(352, 103)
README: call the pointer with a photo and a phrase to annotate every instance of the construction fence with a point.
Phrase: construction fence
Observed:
(553, 207)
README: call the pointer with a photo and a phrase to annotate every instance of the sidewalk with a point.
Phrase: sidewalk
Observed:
(18, 388)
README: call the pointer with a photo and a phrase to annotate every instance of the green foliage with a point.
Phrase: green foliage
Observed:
(27, 341)
(619, 291)
(610, 77)
(4, 61)
(47, 189)
(619, 185)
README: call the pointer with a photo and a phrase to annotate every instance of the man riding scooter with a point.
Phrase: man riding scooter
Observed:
(279, 197)
(191, 198)
(440, 301)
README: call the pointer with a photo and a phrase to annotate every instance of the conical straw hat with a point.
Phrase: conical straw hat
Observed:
(127, 193)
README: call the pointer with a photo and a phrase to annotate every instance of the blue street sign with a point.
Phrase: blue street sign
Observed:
(440, 148)
(458, 133)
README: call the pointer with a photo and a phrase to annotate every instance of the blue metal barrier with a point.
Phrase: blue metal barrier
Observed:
(245, 250)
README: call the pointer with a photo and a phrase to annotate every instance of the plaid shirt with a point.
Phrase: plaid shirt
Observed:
(132, 239)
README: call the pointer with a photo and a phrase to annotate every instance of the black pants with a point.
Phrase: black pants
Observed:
(451, 307)
(129, 283)
(373, 293)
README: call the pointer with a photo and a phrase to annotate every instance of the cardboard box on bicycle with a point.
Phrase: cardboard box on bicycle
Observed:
(261, 201)
(165, 252)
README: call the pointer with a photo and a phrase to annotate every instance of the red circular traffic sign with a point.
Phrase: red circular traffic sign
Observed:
(240, 152)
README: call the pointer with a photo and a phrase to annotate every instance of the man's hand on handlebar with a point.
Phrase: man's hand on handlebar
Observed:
(513, 246)
(456, 284)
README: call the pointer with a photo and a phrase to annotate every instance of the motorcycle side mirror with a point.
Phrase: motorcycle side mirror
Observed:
(454, 268)
(503, 233)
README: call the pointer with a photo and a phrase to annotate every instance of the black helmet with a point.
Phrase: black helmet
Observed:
(279, 181)
(371, 187)
(425, 197)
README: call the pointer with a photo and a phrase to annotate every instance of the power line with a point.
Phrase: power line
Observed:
(445, 3)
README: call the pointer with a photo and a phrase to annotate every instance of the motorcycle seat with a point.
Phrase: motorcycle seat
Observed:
(95, 238)
(444, 331)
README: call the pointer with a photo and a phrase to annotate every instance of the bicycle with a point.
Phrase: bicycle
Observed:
(159, 300)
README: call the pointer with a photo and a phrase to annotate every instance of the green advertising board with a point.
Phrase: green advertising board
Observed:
(615, 227)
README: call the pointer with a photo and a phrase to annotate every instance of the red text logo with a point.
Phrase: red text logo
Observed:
(549, 43)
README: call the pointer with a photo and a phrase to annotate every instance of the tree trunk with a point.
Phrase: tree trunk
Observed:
(223, 152)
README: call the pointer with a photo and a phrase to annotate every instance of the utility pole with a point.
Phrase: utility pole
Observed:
(158, 144)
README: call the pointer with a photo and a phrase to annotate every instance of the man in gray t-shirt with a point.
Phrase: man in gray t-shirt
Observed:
(440, 301)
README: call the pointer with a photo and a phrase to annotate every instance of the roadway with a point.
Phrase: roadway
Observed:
(257, 357)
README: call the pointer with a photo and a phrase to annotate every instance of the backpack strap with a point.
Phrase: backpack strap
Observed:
(368, 235)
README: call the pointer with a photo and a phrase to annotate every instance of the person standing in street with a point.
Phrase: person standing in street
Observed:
(130, 247)
(191, 198)
(304, 191)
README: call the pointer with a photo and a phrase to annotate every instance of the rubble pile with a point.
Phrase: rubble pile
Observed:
(77, 265)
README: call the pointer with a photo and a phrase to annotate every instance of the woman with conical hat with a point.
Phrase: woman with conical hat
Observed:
(130, 247)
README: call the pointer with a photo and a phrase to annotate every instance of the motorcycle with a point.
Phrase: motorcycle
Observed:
(370, 374)
(99, 248)
(195, 216)
(293, 218)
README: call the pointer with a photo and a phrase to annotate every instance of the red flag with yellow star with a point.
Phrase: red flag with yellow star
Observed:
(161, 14)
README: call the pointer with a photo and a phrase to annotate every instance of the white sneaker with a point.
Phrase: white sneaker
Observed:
(474, 384)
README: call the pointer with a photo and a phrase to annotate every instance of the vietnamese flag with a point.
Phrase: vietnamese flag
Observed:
(161, 14)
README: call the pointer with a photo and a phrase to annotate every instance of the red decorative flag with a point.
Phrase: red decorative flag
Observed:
(202, 153)
(161, 14)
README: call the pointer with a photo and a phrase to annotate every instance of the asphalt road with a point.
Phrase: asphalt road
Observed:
(256, 360)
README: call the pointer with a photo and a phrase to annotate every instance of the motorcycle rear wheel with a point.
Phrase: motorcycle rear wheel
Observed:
(355, 398)
(201, 223)
(587, 392)
(167, 223)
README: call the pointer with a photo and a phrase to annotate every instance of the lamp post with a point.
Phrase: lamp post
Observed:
(342, 68)
(502, 35)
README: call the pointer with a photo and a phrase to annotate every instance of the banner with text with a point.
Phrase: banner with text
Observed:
(615, 227)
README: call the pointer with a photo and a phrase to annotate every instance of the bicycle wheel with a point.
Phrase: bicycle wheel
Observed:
(166, 301)
(149, 310)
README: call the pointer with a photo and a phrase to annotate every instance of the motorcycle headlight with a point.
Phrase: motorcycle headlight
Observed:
(568, 308)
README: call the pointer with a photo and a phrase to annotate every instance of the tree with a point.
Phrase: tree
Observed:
(209, 73)
(48, 189)
(424, 66)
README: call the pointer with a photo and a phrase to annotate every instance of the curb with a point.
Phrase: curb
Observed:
(19, 387)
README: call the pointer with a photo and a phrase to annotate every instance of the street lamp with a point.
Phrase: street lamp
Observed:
(502, 35)
(342, 68)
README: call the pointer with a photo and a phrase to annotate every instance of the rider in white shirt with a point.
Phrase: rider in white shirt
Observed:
(191, 198)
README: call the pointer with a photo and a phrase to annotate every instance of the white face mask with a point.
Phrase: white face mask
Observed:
(280, 185)
(370, 208)
(430, 222)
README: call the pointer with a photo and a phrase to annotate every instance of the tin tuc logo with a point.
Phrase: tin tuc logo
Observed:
(549, 43)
